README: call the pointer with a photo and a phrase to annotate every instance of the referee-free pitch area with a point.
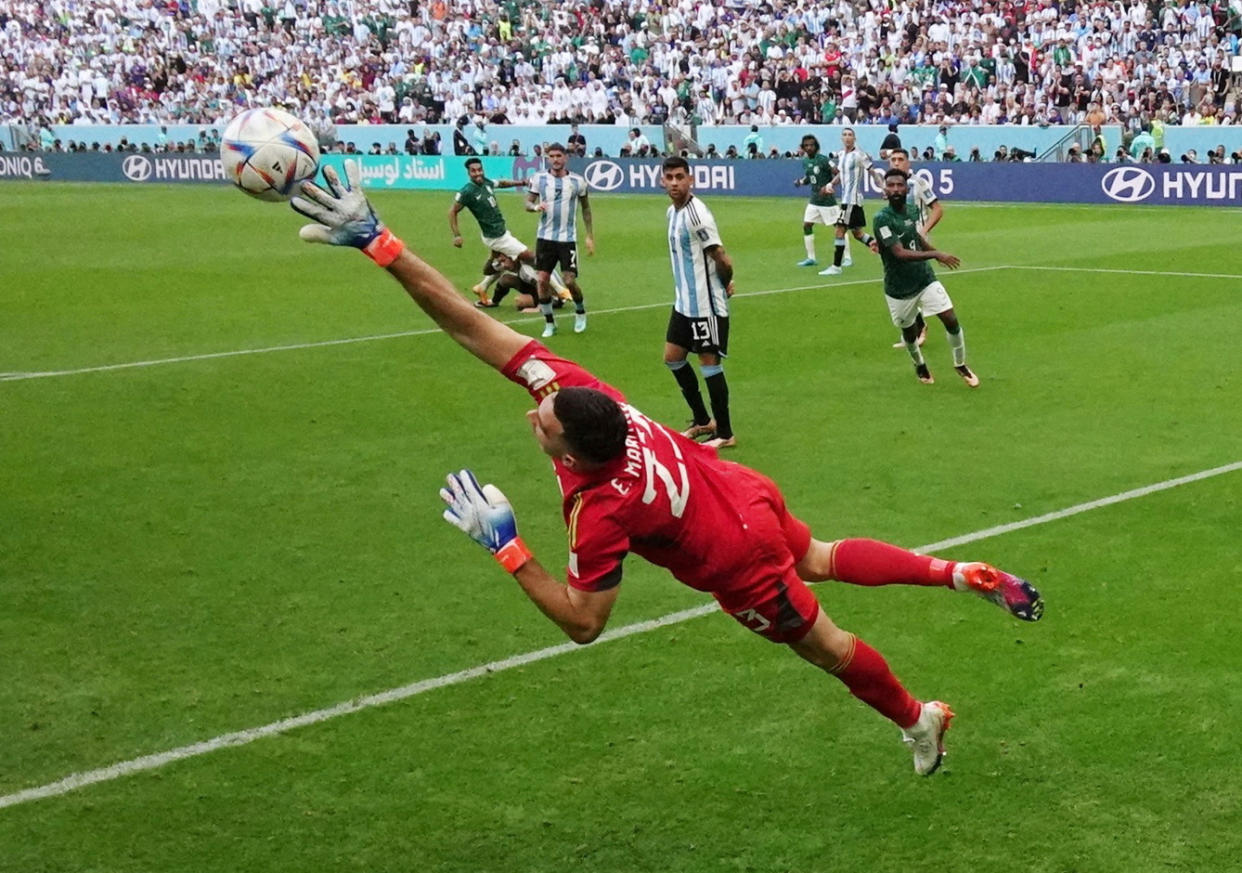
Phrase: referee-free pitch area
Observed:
(221, 450)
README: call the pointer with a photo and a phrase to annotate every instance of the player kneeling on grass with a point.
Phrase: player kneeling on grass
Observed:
(630, 484)
(507, 276)
(910, 286)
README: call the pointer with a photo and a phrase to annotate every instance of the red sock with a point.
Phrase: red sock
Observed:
(866, 674)
(871, 562)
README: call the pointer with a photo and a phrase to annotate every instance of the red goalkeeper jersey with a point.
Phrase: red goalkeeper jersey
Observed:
(717, 526)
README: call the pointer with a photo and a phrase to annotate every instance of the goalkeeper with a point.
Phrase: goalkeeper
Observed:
(630, 484)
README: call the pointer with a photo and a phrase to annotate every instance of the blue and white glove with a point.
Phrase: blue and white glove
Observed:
(483, 513)
(345, 217)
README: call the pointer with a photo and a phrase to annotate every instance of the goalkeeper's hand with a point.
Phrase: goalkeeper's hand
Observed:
(481, 512)
(344, 216)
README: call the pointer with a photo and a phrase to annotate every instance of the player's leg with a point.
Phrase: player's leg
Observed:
(676, 350)
(711, 362)
(936, 302)
(810, 215)
(482, 288)
(544, 262)
(569, 270)
(838, 243)
(903, 313)
(921, 325)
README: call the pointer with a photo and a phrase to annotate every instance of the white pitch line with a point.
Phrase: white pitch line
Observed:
(292, 347)
(243, 737)
(1126, 272)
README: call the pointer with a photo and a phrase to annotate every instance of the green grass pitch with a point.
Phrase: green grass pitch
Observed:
(212, 541)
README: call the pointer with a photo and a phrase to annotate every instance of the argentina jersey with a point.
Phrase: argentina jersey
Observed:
(691, 231)
(922, 196)
(853, 166)
(559, 195)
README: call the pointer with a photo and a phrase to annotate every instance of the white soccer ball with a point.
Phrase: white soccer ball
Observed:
(267, 152)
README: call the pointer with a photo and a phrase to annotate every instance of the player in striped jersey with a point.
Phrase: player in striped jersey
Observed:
(699, 323)
(555, 194)
(930, 212)
(853, 167)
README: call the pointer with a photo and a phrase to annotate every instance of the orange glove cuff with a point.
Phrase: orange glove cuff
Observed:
(384, 249)
(513, 555)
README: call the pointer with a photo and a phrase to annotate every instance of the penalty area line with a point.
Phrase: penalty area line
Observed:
(243, 737)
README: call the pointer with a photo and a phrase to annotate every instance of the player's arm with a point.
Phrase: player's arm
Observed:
(485, 515)
(510, 183)
(587, 223)
(453, 228)
(934, 213)
(924, 254)
(724, 266)
(532, 203)
(345, 218)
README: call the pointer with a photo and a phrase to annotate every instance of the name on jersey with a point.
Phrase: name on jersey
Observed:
(641, 463)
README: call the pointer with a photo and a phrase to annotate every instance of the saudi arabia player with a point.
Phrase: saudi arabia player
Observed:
(479, 196)
(930, 212)
(853, 167)
(818, 173)
(909, 283)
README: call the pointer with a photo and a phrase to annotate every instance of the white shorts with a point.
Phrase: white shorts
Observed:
(932, 300)
(507, 245)
(821, 214)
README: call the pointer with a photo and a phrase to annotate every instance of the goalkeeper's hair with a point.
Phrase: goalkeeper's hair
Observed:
(595, 427)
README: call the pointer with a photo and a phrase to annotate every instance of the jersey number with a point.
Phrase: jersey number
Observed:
(699, 331)
(678, 492)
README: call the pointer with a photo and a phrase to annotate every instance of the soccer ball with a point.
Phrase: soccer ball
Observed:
(267, 152)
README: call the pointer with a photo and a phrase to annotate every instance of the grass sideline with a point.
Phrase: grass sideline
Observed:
(215, 544)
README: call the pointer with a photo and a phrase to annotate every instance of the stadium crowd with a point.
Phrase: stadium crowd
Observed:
(628, 62)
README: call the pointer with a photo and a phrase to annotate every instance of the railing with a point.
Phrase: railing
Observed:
(1079, 135)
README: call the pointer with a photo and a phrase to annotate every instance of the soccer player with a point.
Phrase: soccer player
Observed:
(555, 194)
(699, 322)
(853, 166)
(508, 278)
(910, 286)
(930, 212)
(631, 485)
(817, 172)
(479, 196)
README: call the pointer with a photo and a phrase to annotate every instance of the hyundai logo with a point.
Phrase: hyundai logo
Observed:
(1128, 184)
(136, 168)
(605, 175)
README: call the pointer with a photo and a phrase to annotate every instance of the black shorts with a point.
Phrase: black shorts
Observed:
(852, 217)
(699, 335)
(550, 254)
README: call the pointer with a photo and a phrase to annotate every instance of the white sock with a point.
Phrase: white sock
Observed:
(957, 342)
(916, 354)
(808, 240)
(489, 280)
(527, 272)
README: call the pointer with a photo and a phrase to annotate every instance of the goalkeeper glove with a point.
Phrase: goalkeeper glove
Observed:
(483, 513)
(344, 216)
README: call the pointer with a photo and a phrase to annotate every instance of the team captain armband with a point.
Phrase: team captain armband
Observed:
(513, 555)
(384, 249)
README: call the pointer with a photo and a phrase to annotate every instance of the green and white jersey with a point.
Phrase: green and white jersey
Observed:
(902, 279)
(818, 172)
(481, 201)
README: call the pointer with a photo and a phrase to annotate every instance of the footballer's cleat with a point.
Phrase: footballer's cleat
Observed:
(1011, 593)
(694, 431)
(970, 378)
(721, 442)
(549, 329)
(901, 343)
(924, 374)
(831, 271)
(926, 736)
(485, 304)
(480, 291)
(807, 262)
(579, 322)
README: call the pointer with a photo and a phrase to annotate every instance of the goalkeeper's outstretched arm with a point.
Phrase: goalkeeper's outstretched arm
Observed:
(345, 218)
